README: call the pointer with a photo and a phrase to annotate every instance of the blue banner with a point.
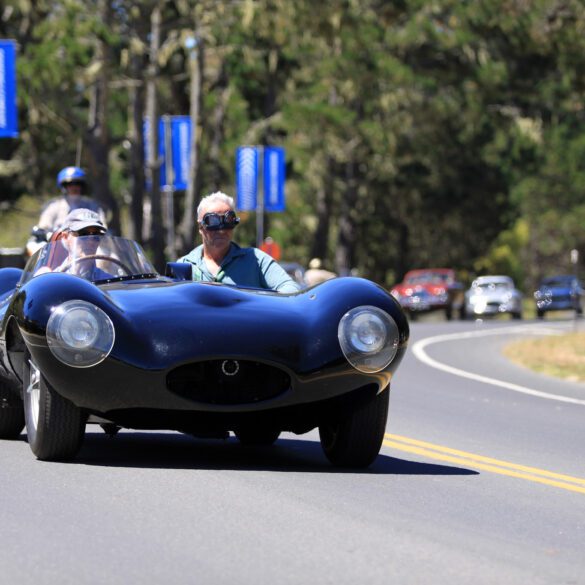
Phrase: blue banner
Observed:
(8, 112)
(274, 177)
(175, 145)
(246, 178)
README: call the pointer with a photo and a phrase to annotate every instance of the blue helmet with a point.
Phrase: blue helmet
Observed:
(71, 175)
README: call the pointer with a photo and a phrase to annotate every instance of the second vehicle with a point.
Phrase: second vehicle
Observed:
(493, 295)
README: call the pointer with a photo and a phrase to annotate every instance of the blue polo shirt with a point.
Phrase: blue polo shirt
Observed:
(243, 267)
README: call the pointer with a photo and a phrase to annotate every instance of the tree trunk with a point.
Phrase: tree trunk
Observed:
(320, 245)
(157, 243)
(98, 136)
(189, 220)
(344, 253)
(218, 130)
(137, 150)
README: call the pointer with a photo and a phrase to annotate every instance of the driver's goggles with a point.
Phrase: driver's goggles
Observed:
(217, 221)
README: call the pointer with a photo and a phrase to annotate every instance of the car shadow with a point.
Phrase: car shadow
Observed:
(175, 451)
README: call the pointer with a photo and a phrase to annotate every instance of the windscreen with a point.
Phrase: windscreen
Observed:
(97, 258)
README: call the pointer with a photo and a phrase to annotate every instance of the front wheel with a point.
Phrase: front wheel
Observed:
(55, 426)
(355, 440)
(11, 413)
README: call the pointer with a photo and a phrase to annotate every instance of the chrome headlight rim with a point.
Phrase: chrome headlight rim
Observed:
(80, 334)
(369, 338)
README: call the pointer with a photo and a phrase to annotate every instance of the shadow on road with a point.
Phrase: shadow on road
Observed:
(175, 451)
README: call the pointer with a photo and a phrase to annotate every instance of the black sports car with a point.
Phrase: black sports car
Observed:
(95, 335)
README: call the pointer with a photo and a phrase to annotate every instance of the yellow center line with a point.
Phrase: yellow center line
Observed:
(567, 482)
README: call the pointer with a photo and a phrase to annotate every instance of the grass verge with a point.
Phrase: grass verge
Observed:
(562, 356)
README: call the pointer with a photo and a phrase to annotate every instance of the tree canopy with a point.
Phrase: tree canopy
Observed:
(417, 133)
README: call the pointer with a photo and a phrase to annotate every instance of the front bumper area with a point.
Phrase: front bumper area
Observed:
(299, 418)
(202, 386)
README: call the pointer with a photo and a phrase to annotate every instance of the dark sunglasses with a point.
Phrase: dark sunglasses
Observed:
(89, 232)
(215, 221)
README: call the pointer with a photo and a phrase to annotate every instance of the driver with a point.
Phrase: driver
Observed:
(80, 235)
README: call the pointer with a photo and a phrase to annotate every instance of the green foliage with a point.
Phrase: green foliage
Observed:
(16, 221)
(417, 133)
(506, 256)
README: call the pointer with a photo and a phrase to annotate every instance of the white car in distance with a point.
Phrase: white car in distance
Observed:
(493, 295)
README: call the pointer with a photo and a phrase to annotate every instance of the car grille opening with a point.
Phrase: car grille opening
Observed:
(228, 381)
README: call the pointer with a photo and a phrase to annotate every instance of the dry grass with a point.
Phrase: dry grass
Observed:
(562, 356)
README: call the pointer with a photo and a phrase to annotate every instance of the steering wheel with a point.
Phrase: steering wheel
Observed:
(99, 257)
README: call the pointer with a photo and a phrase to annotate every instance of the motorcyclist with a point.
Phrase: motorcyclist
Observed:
(72, 181)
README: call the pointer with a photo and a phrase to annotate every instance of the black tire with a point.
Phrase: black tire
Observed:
(11, 413)
(355, 441)
(55, 426)
(257, 437)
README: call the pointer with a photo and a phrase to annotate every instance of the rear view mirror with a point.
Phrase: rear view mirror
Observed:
(179, 271)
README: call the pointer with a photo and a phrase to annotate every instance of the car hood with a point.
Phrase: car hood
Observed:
(162, 324)
(492, 296)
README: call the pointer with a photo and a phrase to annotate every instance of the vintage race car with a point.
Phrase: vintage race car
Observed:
(559, 293)
(103, 338)
(429, 289)
(493, 295)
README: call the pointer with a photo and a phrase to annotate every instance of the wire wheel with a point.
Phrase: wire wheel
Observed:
(54, 426)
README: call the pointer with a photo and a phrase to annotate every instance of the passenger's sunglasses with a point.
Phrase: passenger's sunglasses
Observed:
(216, 221)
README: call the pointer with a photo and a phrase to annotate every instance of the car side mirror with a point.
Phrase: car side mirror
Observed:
(179, 271)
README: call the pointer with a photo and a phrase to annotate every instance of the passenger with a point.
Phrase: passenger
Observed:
(316, 273)
(219, 259)
(72, 181)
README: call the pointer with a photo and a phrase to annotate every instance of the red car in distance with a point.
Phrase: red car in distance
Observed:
(429, 289)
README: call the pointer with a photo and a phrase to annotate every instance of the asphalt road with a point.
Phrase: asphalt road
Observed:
(481, 480)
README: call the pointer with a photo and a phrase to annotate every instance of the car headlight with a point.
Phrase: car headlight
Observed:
(369, 338)
(479, 303)
(543, 297)
(80, 334)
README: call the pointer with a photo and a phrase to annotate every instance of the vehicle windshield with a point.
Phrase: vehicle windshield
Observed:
(428, 277)
(487, 286)
(101, 258)
(560, 282)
